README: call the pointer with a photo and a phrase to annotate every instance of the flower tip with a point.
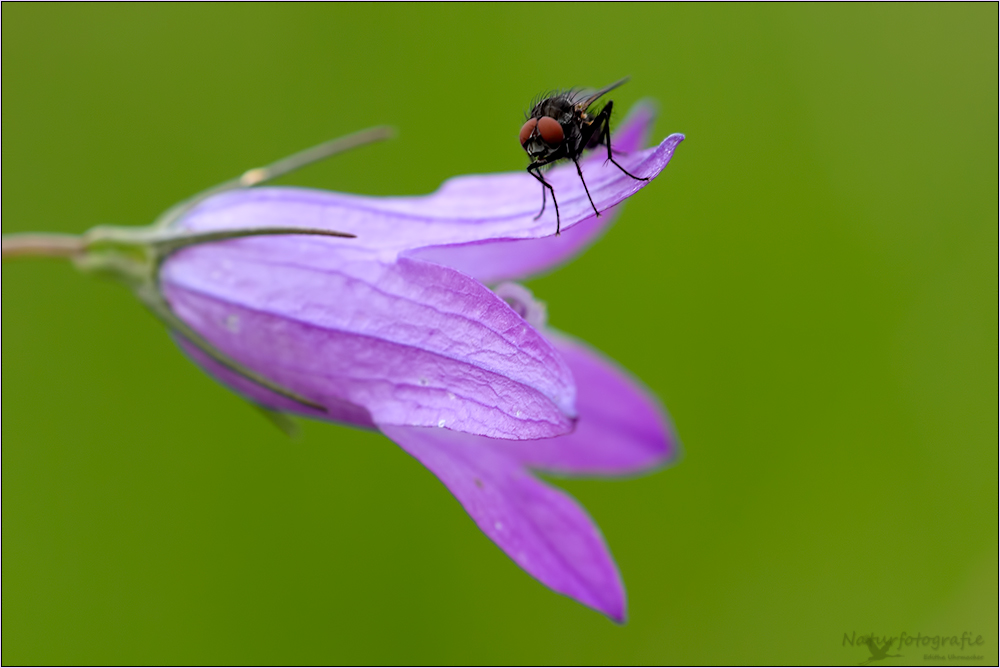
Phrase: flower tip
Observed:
(675, 451)
(645, 110)
(667, 451)
(615, 610)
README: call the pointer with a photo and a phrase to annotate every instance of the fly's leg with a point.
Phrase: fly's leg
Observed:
(602, 124)
(532, 169)
(585, 188)
(544, 197)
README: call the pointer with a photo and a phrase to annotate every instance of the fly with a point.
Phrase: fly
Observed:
(561, 127)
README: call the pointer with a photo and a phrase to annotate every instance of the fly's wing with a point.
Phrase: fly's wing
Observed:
(585, 97)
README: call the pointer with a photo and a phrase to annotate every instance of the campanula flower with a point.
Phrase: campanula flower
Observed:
(377, 314)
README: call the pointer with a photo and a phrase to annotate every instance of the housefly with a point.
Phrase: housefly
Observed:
(562, 126)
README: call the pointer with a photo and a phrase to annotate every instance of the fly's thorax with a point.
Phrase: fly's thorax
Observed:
(560, 108)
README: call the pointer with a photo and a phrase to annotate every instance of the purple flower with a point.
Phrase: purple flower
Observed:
(396, 330)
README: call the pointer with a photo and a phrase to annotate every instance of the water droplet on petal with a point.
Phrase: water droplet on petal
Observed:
(440, 423)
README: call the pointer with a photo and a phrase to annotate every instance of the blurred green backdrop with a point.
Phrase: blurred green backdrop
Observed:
(811, 287)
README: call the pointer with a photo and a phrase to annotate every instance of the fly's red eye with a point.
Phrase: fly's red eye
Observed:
(527, 129)
(550, 130)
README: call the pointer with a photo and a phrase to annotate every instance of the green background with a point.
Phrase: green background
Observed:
(810, 287)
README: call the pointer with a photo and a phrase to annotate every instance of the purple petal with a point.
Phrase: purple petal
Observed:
(403, 343)
(496, 260)
(337, 410)
(622, 428)
(541, 528)
(488, 212)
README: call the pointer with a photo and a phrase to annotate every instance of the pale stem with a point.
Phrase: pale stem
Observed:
(42, 245)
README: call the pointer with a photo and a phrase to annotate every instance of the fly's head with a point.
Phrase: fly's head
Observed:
(549, 127)
(542, 137)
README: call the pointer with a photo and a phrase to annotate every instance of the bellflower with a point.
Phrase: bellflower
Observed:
(396, 330)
